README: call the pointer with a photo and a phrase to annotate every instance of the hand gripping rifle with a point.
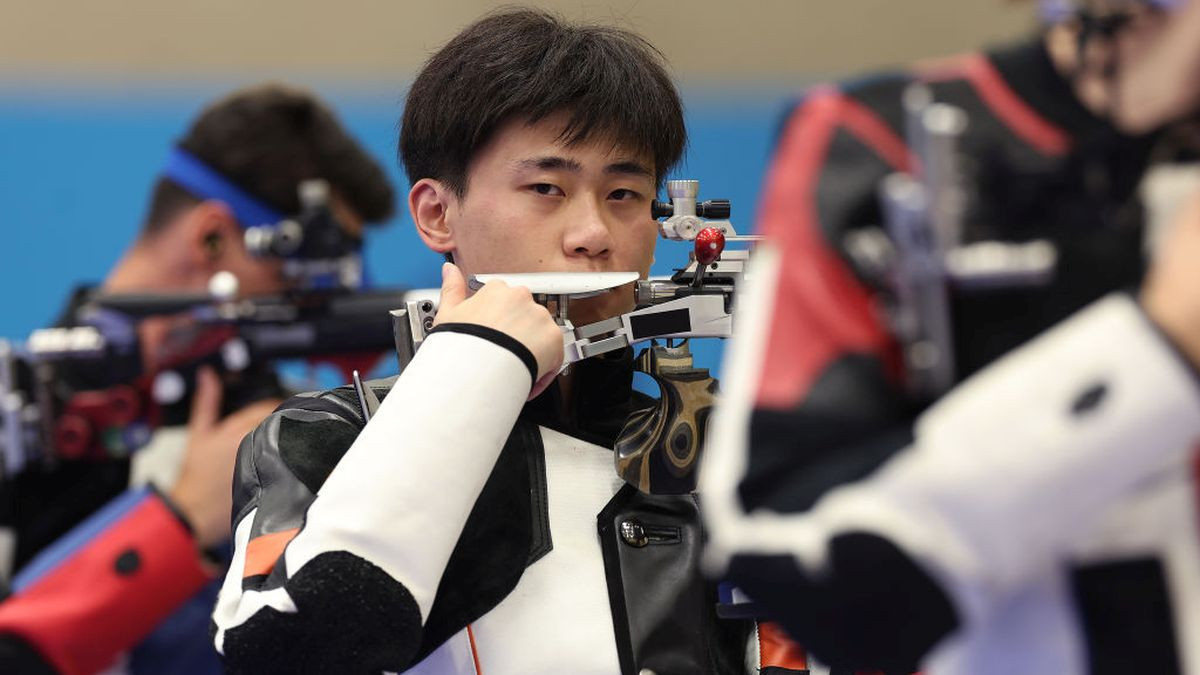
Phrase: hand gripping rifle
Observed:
(659, 447)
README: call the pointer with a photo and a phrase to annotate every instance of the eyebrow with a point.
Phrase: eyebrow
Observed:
(634, 168)
(552, 163)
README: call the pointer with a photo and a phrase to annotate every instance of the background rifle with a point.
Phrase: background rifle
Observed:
(50, 414)
(920, 255)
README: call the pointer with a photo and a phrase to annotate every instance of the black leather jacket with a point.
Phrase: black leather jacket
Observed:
(663, 612)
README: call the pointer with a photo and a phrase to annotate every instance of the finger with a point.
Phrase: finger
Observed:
(206, 401)
(454, 288)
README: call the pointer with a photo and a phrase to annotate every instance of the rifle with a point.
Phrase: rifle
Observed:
(921, 253)
(658, 449)
(46, 418)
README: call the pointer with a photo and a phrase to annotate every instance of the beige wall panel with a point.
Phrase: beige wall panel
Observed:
(371, 40)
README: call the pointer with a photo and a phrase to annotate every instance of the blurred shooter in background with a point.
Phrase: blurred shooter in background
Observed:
(984, 549)
(138, 569)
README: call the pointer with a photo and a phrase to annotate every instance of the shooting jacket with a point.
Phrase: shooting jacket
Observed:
(1043, 520)
(463, 531)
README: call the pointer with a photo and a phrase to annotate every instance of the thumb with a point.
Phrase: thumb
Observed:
(206, 401)
(454, 287)
(542, 384)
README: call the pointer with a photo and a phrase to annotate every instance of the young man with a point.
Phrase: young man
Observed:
(463, 529)
(139, 559)
(990, 545)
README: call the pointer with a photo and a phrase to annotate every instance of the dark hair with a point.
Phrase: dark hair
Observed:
(529, 64)
(267, 139)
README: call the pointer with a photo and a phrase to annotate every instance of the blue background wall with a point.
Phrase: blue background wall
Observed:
(76, 169)
(92, 95)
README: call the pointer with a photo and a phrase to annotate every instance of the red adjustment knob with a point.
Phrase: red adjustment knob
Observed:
(72, 436)
(710, 242)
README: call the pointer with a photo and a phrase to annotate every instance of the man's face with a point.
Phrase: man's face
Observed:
(1158, 69)
(1154, 59)
(535, 205)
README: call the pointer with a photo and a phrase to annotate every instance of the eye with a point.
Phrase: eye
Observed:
(546, 189)
(624, 194)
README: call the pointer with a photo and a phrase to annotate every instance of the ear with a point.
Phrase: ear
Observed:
(211, 233)
(430, 202)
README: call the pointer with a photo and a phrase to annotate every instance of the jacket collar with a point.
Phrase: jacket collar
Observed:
(603, 399)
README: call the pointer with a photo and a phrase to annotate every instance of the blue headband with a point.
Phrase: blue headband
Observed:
(204, 183)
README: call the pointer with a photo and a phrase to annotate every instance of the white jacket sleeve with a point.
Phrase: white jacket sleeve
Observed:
(362, 559)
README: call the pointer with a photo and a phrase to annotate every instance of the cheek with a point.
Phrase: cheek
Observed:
(641, 254)
(486, 221)
(492, 234)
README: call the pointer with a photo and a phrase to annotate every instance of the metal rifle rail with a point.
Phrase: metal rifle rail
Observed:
(696, 302)
(658, 449)
(45, 419)
(921, 254)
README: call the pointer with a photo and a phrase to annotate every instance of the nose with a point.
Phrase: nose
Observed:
(587, 234)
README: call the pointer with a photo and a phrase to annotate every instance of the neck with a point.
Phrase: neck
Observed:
(141, 268)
